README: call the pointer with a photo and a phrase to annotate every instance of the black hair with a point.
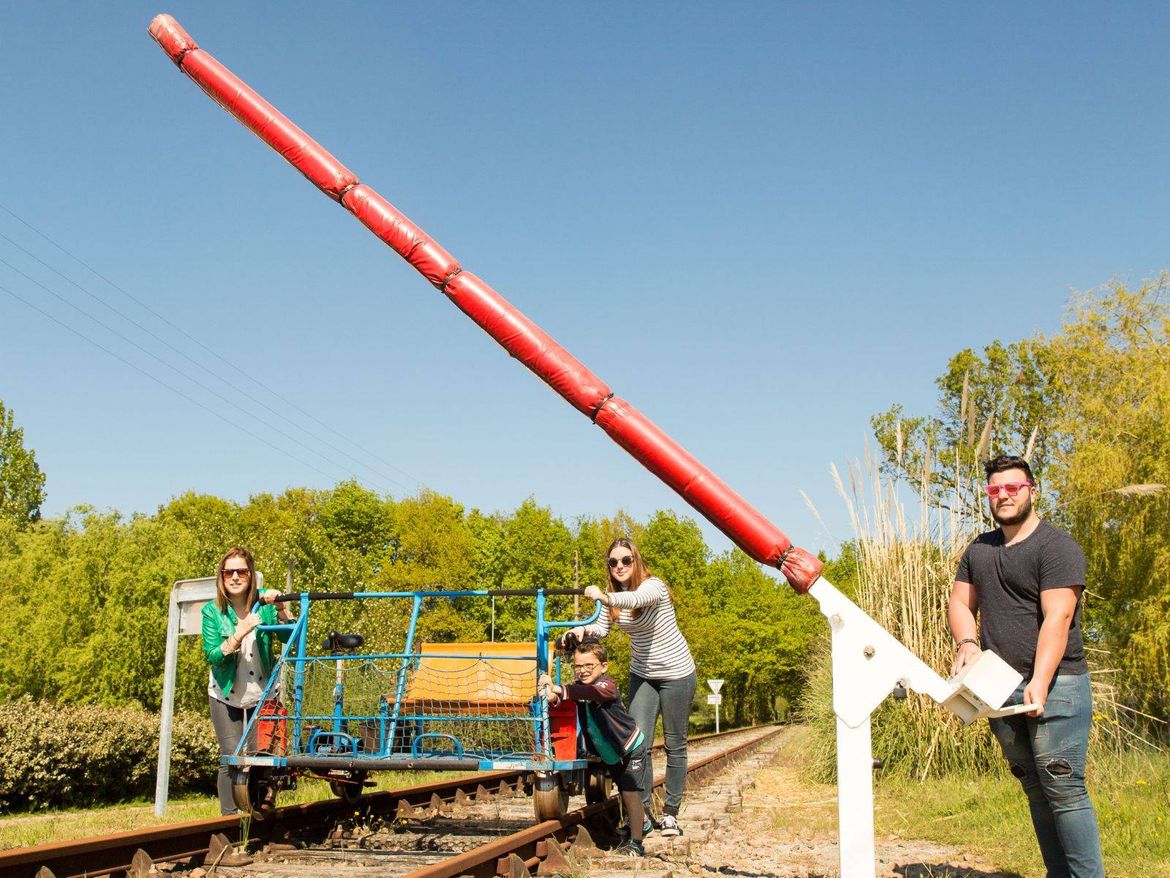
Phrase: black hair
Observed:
(1005, 462)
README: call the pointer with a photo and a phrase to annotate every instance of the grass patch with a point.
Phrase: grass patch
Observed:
(1131, 793)
(26, 829)
(987, 814)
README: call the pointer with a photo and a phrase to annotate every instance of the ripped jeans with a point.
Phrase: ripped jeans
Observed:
(1047, 754)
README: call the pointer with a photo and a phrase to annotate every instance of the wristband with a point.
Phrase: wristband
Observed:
(965, 641)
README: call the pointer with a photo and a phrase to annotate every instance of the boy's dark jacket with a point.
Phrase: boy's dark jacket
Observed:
(603, 698)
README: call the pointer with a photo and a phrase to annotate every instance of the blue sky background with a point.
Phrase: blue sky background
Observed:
(760, 223)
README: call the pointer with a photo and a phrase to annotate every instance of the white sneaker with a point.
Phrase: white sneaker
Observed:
(668, 826)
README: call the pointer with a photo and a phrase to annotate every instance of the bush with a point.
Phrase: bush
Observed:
(75, 755)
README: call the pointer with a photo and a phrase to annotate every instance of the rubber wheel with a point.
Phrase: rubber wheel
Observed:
(598, 786)
(349, 791)
(255, 795)
(551, 802)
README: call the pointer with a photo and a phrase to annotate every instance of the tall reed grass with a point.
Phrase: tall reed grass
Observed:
(906, 560)
(907, 556)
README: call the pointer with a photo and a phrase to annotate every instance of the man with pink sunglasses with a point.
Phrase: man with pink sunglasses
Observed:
(1024, 580)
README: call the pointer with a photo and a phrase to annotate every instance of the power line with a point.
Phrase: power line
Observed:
(159, 359)
(158, 380)
(195, 362)
(194, 340)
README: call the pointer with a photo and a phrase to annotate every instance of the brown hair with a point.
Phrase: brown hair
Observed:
(592, 647)
(221, 598)
(641, 574)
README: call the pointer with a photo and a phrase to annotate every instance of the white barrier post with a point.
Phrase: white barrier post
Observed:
(868, 662)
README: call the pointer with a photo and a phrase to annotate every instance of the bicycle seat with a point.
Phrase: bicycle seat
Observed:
(335, 642)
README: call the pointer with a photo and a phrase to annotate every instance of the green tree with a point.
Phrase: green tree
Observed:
(1111, 427)
(22, 484)
(996, 402)
(537, 552)
(1089, 407)
(757, 637)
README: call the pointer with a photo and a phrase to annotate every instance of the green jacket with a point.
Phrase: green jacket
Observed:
(218, 627)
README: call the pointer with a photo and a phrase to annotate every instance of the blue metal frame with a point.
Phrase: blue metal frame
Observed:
(334, 744)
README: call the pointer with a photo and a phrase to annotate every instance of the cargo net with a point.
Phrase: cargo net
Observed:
(450, 705)
(445, 699)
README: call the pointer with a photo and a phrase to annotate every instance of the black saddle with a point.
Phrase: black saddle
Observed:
(336, 643)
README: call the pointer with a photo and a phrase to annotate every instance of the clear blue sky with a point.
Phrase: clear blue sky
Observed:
(760, 223)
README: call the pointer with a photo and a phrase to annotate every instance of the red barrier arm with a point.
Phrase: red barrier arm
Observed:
(518, 335)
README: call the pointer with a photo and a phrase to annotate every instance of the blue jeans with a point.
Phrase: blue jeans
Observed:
(1047, 754)
(673, 699)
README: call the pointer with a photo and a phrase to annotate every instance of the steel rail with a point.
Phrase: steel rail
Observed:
(103, 855)
(485, 861)
(108, 854)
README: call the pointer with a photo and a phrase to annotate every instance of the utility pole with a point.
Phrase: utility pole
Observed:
(576, 584)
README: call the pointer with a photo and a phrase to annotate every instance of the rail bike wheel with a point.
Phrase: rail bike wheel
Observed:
(255, 794)
(550, 797)
(598, 786)
(349, 790)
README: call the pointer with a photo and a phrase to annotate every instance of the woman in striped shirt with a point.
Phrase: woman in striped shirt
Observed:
(662, 672)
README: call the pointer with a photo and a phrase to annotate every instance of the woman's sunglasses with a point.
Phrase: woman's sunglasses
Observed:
(625, 561)
(242, 571)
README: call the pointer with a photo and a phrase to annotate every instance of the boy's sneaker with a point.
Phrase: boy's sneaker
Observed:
(668, 826)
(630, 849)
(647, 828)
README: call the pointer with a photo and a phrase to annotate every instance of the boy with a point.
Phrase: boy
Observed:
(610, 732)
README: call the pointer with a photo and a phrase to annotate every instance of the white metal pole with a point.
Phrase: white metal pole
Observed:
(855, 800)
(717, 719)
(170, 669)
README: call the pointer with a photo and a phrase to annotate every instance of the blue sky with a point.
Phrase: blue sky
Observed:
(760, 223)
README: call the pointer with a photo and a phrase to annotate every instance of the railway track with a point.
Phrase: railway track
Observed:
(480, 826)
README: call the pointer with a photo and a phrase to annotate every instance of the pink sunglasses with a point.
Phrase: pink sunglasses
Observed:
(1009, 488)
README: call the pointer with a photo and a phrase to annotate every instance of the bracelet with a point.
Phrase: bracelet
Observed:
(964, 642)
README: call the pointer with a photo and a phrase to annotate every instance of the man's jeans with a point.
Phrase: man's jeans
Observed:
(1047, 754)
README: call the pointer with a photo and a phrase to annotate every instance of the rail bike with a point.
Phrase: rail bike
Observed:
(354, 703)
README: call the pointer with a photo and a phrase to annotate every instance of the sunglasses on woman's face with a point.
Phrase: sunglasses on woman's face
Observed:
(625, 561)
(229, 572)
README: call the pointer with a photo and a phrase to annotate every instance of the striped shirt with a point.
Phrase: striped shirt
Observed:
(658, 650)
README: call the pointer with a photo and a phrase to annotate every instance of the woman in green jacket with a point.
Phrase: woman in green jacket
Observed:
(240, 656)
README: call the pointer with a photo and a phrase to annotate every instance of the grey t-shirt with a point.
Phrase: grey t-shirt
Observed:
(1008, 581)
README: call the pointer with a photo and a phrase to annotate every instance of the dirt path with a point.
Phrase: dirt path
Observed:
(761, 820)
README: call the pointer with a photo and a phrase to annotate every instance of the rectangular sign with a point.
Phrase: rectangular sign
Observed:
(191, 595)
(714, 699)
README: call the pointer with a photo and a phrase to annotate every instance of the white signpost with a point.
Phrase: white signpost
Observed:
(184, 616)
(716, 699)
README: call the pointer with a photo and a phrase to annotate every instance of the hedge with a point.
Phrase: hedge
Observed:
(84, 754)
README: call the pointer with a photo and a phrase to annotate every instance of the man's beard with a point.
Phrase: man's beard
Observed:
(1019, 517)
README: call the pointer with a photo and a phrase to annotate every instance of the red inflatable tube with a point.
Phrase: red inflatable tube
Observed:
(696, 484)
(522, 338)
(528, 343)
(256, 114)
(407, 240)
